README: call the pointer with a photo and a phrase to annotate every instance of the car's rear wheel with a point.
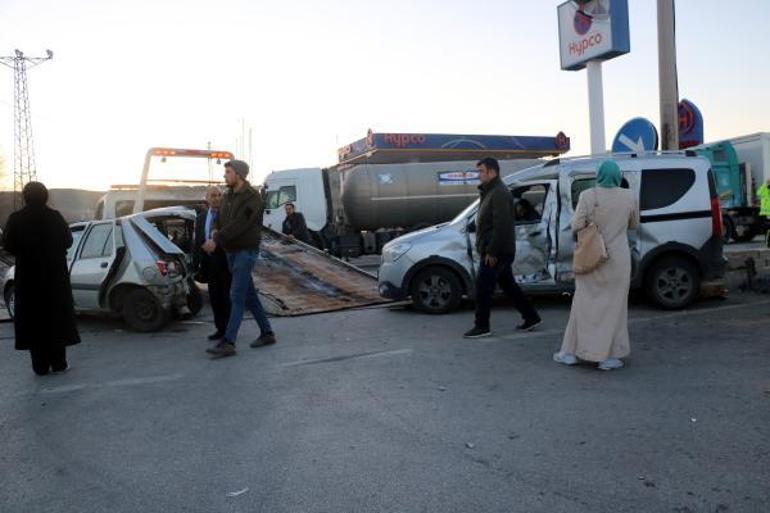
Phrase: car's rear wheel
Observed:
(194, 298)
(673, 283)
(436, 290)
(744, 234)
(142, 312)
(10, 300)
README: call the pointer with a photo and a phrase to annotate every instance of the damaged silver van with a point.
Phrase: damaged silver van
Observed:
(124, 266)
(677, 246)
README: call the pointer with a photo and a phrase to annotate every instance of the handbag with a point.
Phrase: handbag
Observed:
(590, 250)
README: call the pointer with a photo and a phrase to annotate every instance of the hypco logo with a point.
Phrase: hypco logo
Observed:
(404, 140)
(579, 47)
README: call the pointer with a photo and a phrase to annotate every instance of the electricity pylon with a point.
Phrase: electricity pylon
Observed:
(24, 169)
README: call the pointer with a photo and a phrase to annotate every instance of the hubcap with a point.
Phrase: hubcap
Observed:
(674, 285)
(435, 291)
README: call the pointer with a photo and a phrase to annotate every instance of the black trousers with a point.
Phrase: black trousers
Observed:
(486, 281)
(48, 358)
(219, 290)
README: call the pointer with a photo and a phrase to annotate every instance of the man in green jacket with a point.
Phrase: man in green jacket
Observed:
(496, 246)
(764, 207)
(238, 230)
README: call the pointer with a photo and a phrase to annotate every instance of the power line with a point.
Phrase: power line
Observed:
(24, 169)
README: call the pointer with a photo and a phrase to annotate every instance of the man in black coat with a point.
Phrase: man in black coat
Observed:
(496, 246)
(212, 268)
(44, 316)
(294, 225)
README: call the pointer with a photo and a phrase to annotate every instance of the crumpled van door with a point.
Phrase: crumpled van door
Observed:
(537, 209)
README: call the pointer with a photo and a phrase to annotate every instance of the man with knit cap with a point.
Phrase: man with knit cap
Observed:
(238, 230)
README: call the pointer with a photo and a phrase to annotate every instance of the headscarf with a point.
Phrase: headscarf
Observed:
(609, 175)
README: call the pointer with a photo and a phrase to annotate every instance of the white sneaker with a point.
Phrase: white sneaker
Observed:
(610, 364)
(565, 358)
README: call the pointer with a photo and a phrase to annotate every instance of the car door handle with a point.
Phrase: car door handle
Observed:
(535, 234)
(104, 265)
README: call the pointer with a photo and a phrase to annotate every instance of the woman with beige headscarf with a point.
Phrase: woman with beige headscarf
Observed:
(598, 323)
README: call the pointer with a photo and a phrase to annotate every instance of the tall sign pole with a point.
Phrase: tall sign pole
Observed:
(667, 76)
(592, 31)
(596, 106)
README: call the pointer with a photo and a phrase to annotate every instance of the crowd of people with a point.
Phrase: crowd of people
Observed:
(228, 235)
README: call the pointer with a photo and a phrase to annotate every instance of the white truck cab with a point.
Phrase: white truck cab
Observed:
(304, 188)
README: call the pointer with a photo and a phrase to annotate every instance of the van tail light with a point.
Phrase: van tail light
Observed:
(716, 218)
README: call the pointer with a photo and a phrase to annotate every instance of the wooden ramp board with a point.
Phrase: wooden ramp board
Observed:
(297, 279)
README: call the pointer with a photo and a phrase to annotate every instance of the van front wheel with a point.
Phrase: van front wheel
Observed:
(436, 290)
(673, 283)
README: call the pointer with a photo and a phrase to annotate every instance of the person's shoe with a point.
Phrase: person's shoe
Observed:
(60, 370)
(217, 335)
(529, 324)
(222, 349)
(610, 364)
(266, 339)
(565, 358)
(477, 332)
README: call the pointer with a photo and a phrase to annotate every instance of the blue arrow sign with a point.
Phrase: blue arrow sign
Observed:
(636, 135)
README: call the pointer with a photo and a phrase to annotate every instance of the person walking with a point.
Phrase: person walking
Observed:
(597, 330)
(44, 311)
(294, 225)
(238, 230)
(763, 193)
(496, 246)
(212, 268)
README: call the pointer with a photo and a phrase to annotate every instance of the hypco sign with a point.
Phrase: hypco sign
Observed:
(592, 30)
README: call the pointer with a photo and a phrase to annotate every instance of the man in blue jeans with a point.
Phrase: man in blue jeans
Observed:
(238, 230)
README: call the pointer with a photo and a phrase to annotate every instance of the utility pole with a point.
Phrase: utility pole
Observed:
(667, 76)
(24, 169)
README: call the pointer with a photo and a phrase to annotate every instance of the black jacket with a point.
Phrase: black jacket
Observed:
(239, 225)
(495, 222)
(45, 312)
(295, 225)
(203, 263)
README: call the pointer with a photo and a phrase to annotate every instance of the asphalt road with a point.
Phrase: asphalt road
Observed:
(387, 410)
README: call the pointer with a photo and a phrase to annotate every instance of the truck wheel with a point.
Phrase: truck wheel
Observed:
(672, 283)
(746, 235)
(436, 290)
(10, 300)
(728, 229)
(142, 312)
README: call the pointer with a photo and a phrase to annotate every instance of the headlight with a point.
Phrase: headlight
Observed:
(396, 251)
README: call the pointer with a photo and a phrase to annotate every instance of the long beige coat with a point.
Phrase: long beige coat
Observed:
(598, 320)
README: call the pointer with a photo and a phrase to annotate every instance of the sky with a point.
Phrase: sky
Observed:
(308, 77)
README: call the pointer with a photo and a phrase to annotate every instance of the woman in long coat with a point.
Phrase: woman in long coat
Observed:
(598, 323)
(44, 316)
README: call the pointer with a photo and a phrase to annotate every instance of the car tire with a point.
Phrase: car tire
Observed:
(673, 283)
(142, 312)
(10, 300)
(746, 236)
(436, 290)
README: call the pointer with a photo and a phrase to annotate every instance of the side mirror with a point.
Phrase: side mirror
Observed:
(471, 226)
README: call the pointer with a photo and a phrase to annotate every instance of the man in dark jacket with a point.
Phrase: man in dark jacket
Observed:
(212, 268)
(44, 316)
(238, 230)
(294, 225)
(496, 246)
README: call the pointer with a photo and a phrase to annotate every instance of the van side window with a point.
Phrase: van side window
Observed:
(529, 202)
(582, 184)
(99, 210)
(664, 187)
(99, 242)
(124, 208)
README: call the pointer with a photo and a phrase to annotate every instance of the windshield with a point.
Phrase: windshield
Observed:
(469, 210)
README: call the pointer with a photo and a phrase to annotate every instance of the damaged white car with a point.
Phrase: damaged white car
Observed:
(126, 267)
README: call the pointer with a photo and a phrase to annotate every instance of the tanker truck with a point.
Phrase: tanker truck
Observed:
(388, 184)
